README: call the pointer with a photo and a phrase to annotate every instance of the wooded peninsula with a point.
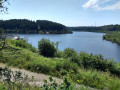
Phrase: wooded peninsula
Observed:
(29, 26)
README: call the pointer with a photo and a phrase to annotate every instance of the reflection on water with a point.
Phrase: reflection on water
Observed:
(89, 42)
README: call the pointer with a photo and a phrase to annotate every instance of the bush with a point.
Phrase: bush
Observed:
(65, 66)
(68, 52)
(33, 49)
(59, 54)
(23, 44)
(46, 48)
(76, 59)
(99, 63)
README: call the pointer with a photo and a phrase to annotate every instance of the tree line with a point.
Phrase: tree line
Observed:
(29, 26)
(96, 28)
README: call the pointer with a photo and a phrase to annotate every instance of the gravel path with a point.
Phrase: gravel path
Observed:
(38, 77)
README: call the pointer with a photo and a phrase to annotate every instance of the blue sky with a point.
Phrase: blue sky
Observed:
(67, 12)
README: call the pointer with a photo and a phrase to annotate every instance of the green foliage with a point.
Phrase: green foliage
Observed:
(85, 28)
(22, 44)
(76, 59)
(28, 26)
(13, 80)
(2, 3)
(96, 79)
(41, 32)
(59, 54)
(1, 31)
(66, 66)
(65, 85)
(3, 8)
(68, 52)
(46, 48)
(113, 37)
(99, 63)
(111, 27)
(106, 28)
(90, 70)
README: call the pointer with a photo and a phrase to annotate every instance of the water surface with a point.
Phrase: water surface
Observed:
(89, 42)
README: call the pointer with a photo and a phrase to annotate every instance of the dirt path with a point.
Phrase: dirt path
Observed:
(38, 77)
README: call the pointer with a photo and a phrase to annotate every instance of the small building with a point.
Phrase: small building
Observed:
(3, 37)
(47, 33)
(16, 38)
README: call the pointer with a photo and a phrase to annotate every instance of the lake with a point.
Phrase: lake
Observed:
(89, 42)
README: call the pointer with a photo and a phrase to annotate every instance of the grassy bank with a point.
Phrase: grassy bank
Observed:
(113, 37)
(90, 70)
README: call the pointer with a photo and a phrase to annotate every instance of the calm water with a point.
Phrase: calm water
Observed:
(81, 41)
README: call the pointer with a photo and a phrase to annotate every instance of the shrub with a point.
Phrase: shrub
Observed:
(23, 44)
(33, 49)
(68, 52)
(59, 54)
(96, 79)
(46, 48)
(76, 59)
(66, 66)
(99, 63)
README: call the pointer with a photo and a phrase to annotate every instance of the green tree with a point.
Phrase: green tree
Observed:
(1, 31)
(2, 7)
(1, 37)
(46, 48)
(28, 26)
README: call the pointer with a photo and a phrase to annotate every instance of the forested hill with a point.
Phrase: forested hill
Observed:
(96, 29)
(84, 28)
(28, 26)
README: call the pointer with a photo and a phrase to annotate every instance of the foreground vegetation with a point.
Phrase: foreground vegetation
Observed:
(16, 80)
(88, 69)
(113, 37)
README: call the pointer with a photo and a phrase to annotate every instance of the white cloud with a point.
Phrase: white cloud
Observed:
(95, 4)
(105, 1)
(90, 3)
(115, 6)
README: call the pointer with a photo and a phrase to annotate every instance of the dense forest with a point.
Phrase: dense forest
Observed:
(29, 26)
(96, 29)
(84, 28)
